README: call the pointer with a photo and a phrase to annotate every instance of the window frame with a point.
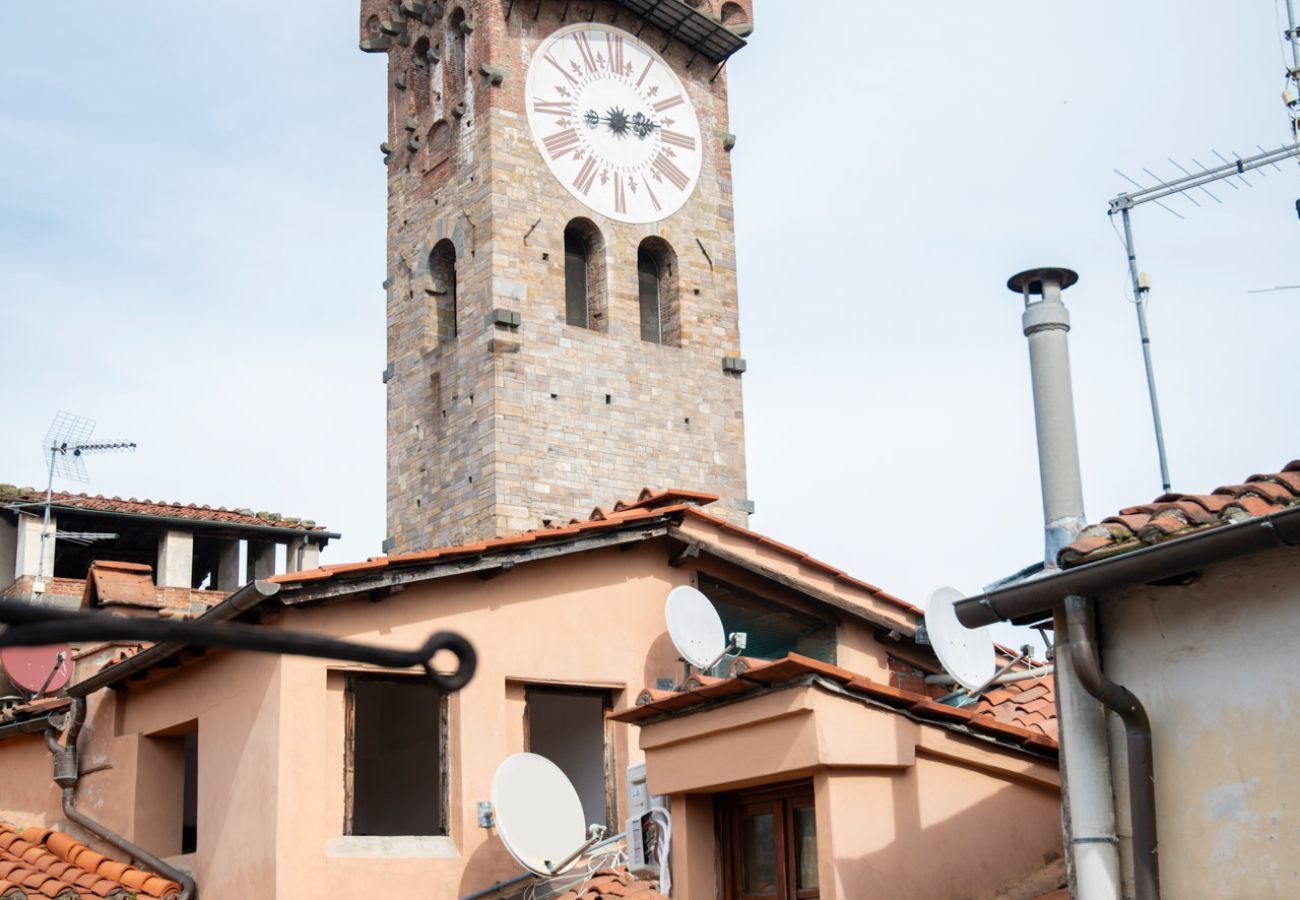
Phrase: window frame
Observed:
(349, 748)
(610, 749)
(782, 801)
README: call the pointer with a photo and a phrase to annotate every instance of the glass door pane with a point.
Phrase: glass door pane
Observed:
(757, 856)
(805, 848)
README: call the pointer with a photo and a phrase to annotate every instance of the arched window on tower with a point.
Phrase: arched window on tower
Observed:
(656, 268)
(418, 79)
(442, 301)
(584, 275)
(454, 65)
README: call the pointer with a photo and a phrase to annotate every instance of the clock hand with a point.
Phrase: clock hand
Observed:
(620, 123)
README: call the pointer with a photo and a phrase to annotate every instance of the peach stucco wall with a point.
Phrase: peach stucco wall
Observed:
(903, 809)
(271, 730)
(1214, 662)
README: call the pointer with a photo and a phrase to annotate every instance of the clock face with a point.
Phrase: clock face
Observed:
(613, 123)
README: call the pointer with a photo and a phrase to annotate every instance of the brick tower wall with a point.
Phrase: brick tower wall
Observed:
(505, 426)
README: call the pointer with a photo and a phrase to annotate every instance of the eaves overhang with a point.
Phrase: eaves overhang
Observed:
(1031, 601)
(279, 533)
(707, 37)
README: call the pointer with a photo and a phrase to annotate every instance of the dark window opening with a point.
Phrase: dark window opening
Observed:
(418, 77)
(442, 326)
(575, 279)
(568, 727)
(769, 843)
(647, 270)
(396, 756)
(656, 266)
(454, 74)
(772, 629)
(190, 795)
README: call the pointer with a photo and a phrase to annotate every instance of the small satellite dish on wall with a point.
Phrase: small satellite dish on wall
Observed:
(696, 628)
(40, 670)
(538, 814)
(966, 653)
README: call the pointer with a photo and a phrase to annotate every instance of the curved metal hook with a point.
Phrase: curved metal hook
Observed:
(35, 626)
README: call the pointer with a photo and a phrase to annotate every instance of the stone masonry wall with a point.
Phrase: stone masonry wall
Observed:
(503, 427)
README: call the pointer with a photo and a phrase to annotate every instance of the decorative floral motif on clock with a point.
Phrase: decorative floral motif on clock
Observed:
(613, 122)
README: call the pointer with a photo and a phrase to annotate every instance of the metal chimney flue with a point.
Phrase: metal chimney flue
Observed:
(1046, 323)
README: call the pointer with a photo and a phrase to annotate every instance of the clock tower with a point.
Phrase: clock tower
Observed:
(561, 282)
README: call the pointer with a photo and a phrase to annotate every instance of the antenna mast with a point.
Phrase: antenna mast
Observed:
(1292, 95)
(67, 441)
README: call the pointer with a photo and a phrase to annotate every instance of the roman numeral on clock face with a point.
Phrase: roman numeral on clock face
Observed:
(562, 142)
(675, 100)
(615, 43)
(586, 175)
(685, 141)
(675, 176)
(620, 196)
(584, 48)
(645, 71)
(553, 107)
(559, 68)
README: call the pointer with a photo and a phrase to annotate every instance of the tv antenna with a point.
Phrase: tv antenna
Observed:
(1230, 172)
(966, 654)
(66, 444)
(696, 629)
(538, 814)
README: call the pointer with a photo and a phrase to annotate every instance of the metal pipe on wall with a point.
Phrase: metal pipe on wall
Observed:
(1082, 625)
(66, 775)
(1087, 813)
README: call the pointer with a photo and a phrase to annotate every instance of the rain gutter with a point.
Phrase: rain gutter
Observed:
(247, 598)
(1032, 601)
(26, 726)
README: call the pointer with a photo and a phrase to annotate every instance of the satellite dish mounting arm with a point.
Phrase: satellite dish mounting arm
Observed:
(595, 835)
(736, 642)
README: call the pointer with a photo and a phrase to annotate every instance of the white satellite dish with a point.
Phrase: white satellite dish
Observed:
(538, 814)
(966, 653)
(695, 627)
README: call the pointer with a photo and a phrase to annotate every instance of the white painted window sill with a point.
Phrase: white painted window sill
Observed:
(403, 846)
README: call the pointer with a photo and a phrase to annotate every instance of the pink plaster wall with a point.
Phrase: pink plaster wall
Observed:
(914, 807)
(271, 731)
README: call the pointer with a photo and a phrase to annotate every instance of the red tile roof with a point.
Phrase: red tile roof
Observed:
(1029, 704)
(31, 709)
(998, 720)
(42, 862)
(650, 504)
(613, 884)
(163, 508)
(1172, 516)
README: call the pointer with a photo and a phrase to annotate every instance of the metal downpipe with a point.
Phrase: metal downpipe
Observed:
(66, 775)
(1081, 622)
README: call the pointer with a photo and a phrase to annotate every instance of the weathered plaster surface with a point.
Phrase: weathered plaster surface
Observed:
(1215, 664)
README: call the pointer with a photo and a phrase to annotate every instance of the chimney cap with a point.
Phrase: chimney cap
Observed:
(1031, 280)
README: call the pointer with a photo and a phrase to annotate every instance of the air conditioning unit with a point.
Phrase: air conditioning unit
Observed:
(647, 826)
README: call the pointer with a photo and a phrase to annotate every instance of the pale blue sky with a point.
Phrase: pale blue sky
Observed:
(192, 244)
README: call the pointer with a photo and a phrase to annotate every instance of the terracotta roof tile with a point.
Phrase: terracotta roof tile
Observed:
(1027, 704)
(111, 583)
(163, 508)
(42, 862)
(1019, 714)
(1173, 516)
(608, 884)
